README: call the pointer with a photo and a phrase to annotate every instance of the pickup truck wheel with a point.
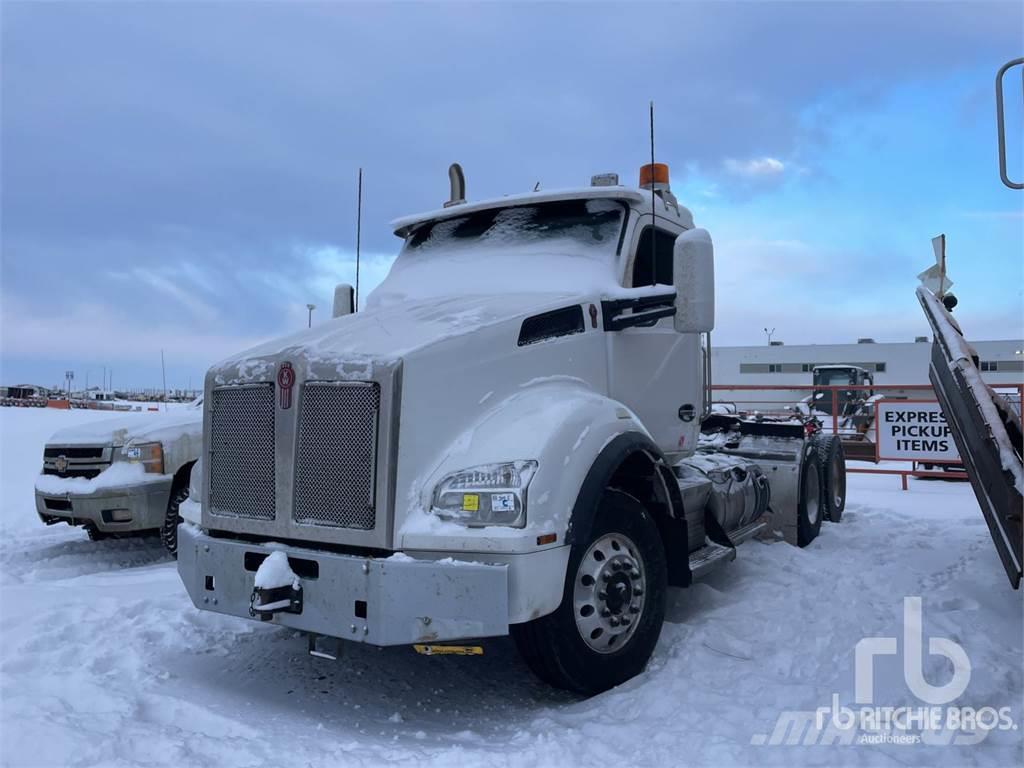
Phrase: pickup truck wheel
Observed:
(94, 533)
(810, 506)
(169, 530)
(833, 465)
(613, 604)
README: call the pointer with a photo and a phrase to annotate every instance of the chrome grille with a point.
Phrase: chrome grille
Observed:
(336, 469)
(76, 460)
(242, 451)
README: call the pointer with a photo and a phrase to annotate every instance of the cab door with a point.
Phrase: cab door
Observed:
(654, 370)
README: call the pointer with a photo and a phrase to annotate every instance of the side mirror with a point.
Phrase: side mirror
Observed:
(693, 269)
(344, 298)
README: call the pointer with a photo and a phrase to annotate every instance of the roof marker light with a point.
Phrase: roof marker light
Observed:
(604, 180)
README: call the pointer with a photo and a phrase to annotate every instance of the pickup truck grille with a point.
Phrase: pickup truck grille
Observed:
(335, 474)
(74, 452)
(242, 451)
(85, 461)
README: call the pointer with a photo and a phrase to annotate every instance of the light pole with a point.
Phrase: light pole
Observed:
(69, 376)
(310, 307)
(769, 335)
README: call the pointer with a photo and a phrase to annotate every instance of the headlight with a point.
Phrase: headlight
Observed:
(491, 494)
(149, 455)
(195, 482)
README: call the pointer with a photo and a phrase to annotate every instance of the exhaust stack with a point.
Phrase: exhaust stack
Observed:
(458, 185)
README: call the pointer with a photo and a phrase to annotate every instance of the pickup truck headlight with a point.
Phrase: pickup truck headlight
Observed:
(149, 455)
(490, 494)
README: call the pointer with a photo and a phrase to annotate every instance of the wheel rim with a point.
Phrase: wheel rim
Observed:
(609, 593)
(838, 486)
(812, 496)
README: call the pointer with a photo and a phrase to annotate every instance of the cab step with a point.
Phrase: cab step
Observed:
(709, 558)
(740, 535)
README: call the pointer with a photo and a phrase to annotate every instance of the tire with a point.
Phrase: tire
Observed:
(623, 551)
(833, 474)
(95, 534)
(169, 530)
(810, 506)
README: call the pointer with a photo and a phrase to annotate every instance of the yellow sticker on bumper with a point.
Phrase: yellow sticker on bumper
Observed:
(470, 502)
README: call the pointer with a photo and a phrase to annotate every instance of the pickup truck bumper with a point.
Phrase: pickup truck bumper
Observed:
(380, 601)
(143, 505)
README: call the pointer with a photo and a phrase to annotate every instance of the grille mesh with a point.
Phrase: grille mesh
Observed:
(242, 451)
(334, 477)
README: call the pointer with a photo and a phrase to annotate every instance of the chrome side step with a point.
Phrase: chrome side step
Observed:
(747, 532)
(709, 557)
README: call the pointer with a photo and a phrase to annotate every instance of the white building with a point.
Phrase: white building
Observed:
(1001, 362)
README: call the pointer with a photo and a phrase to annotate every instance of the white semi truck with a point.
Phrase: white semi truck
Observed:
(507, 440)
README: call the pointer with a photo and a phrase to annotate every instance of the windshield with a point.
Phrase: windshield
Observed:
(587, 223)
(834, 377)
(563, 246)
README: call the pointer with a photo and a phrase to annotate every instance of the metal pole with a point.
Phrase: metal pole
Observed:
(163, 371)
(1001, 130)
(359, 232)
(310, 307)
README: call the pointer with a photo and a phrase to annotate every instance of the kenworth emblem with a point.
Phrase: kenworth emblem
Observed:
(285, 382)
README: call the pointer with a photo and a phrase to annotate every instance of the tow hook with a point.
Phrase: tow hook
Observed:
(265, 602)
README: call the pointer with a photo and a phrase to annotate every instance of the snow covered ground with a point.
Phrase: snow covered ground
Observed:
(103, 660)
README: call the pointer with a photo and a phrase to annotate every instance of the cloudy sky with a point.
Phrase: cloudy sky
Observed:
(182, 176)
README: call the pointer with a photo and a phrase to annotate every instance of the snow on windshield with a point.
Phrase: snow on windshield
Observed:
(565, 246)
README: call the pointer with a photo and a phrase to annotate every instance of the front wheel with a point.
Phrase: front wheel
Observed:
(613, 604)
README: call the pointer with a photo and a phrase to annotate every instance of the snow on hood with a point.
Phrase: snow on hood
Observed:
(135, 427)
(396, 329)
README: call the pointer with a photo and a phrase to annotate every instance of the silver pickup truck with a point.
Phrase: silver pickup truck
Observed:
(120, 476)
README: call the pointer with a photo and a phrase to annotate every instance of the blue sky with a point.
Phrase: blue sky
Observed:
(182, 176)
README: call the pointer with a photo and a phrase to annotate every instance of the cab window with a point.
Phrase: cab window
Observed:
(653, 265)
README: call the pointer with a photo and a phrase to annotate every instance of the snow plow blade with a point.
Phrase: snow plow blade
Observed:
(986, 431)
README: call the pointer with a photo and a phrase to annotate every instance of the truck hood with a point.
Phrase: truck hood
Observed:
(385, 333)
(136, 427)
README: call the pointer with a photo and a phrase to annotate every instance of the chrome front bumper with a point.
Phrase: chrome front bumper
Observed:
(145, 504)
(380, 601)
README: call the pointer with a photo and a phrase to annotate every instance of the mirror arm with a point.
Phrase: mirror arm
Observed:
(646, 310)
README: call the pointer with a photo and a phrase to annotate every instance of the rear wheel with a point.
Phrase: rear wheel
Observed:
(833, 473)
(169, 530)
(810, 504)
(613, 604)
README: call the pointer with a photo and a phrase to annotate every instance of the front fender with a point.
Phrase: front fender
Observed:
(182, 449)
(562, 425)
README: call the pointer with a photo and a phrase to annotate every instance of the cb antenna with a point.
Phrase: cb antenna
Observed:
(359, 233)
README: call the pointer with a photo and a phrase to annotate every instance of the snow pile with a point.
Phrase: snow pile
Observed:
(275, 572)
(105, 662)
(117, 475)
